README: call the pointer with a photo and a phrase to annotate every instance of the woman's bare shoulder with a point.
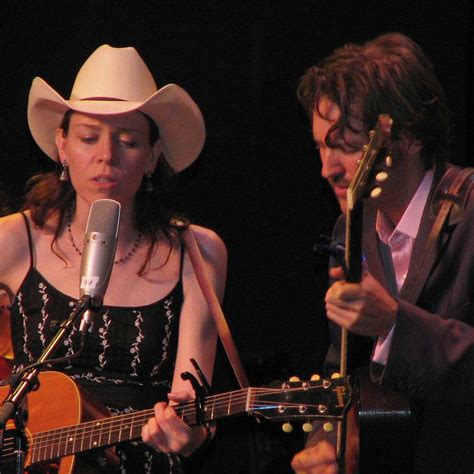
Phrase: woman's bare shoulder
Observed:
(211, 245)
(13, 239)
(11, 225)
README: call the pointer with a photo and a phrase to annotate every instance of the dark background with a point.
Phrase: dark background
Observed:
(257, 182)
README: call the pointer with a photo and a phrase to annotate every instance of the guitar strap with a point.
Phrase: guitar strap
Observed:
(448, 201)
(209, 293)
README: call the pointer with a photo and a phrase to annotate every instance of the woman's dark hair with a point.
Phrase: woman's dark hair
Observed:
(46, 196)
(5, 204)
(388, 75)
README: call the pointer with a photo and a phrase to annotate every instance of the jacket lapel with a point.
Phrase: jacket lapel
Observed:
(419, 255)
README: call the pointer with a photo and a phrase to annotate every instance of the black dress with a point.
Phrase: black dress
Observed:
(127, 363)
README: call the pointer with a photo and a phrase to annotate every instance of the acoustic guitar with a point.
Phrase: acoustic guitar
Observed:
(62, 421)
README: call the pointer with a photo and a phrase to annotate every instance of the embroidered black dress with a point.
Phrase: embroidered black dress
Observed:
(128, 360)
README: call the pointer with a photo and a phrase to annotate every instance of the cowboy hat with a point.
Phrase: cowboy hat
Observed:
(115, 81)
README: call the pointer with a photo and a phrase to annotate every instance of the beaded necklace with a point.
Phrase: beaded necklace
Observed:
(116, 262)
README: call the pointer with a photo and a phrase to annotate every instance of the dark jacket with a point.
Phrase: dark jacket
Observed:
(431, 356)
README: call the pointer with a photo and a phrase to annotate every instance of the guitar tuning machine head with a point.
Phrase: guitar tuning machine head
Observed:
(376, 192)
(287, 427)
(307, 427)
(328, 427)
(388, 161)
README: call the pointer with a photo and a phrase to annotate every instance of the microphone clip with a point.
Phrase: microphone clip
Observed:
(92, 303)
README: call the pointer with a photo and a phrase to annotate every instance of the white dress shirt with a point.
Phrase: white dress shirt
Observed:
(400, 241)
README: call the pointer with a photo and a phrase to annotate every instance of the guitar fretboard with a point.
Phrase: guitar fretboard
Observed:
(128, 427)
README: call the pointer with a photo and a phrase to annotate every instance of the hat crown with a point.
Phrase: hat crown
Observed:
(114, 73)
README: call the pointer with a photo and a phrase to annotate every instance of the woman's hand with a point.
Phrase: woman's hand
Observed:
(168, 433)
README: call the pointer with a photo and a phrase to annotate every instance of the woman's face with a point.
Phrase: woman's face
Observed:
(107, 155)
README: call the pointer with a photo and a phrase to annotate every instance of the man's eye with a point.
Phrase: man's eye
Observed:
(89, 139)
(128, 143)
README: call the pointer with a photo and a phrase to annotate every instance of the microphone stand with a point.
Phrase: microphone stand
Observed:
(28, 380)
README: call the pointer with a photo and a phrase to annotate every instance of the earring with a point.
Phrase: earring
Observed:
(149, 184)
(64, 176)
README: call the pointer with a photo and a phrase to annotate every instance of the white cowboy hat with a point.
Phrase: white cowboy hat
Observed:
(114, 81)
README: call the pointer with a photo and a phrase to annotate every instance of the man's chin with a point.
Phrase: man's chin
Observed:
(342, 205)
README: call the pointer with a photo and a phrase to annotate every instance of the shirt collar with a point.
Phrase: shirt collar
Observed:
(411, 219)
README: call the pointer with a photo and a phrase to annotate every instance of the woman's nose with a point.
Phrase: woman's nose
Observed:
(106, 149)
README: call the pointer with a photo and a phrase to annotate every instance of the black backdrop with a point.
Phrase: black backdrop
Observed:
(257, 181)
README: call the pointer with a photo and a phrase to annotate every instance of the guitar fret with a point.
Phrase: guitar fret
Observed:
(95, 437)
(110, 437)
(79, 437)
(60, 444)
(229, 404)
(211, 417)
(69, 442)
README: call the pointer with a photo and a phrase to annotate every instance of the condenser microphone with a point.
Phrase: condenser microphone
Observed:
(98, 255)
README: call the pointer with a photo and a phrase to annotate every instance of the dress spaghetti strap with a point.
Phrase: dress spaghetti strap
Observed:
(181, 259)
(30, 240)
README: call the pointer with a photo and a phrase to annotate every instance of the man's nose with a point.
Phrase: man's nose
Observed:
(331, 164)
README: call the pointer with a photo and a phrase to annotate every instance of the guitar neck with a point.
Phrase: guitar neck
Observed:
(128, 427)
(50, 439)
(353, 255)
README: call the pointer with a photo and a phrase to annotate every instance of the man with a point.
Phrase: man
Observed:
(411, 317)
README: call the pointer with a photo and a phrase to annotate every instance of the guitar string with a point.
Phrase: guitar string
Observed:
(183, 410)
(134, 420)
(135, 423)
(132, 423)
(136, 417)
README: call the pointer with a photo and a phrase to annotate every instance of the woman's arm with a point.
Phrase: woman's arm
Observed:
(197, 340)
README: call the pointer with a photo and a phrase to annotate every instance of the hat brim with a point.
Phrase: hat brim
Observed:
(177, 116)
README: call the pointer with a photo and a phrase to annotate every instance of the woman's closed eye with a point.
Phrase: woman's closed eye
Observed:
(89, 139)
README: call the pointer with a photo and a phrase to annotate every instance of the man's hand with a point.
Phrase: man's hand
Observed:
(364, 308)
(317, 459)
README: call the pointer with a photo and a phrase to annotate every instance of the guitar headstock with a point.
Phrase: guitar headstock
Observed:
(325, 399)
(379, 138)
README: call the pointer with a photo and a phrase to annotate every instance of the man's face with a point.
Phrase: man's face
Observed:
(339, 162)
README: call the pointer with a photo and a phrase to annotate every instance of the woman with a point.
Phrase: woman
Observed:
(109, 139)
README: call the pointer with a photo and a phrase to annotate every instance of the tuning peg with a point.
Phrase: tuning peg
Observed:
(315, 378)
(381, 177)
(307, 427)
(294, 379)
(336, 375)
(328, 427)
(376, 192)
(388, 161)
(287, 427)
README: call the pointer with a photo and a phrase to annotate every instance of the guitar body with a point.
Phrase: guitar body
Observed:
(381, 429)
(5, 368)
(58, 403)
